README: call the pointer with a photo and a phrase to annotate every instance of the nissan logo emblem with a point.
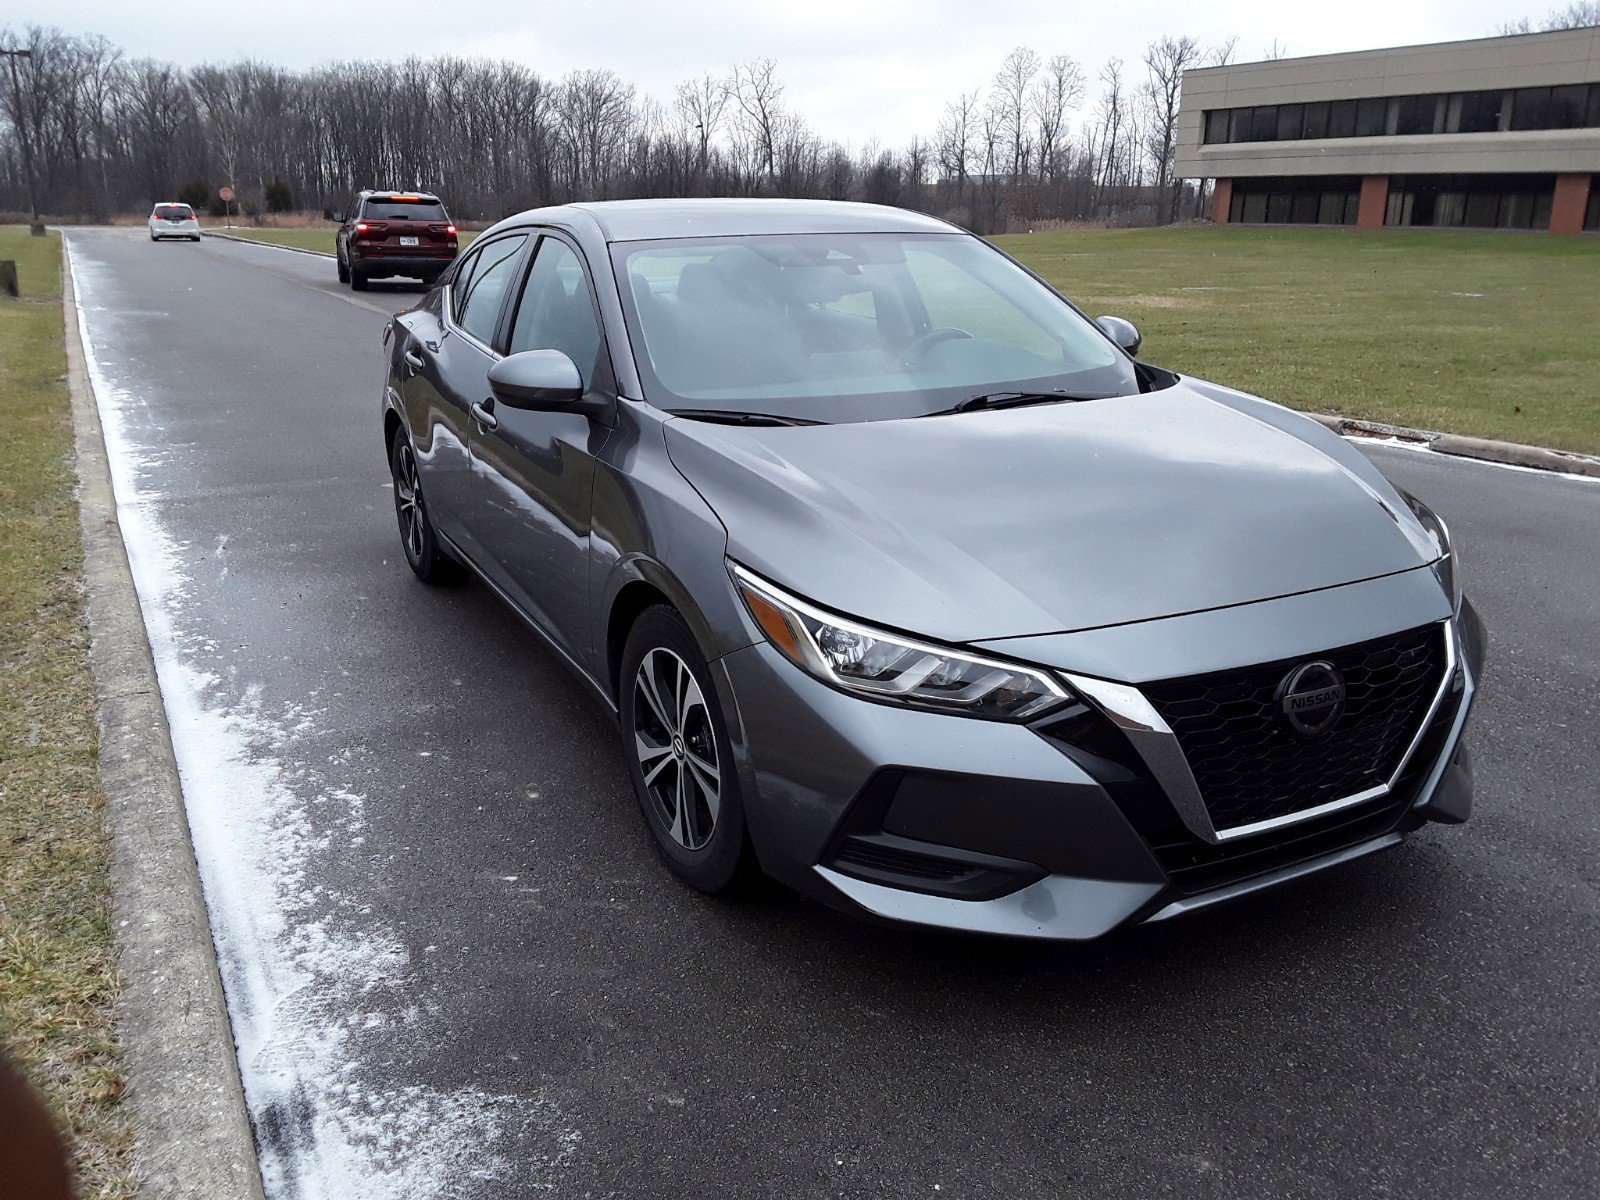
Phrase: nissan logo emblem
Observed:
(1311, 698)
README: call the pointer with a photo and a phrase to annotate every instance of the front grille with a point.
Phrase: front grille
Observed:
(1197, 866)
(1250, 768)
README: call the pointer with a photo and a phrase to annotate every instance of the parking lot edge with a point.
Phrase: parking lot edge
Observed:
(185, 1097)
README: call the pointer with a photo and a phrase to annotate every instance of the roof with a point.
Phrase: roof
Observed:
(380, 193)
(1516, 50)
(644, 220)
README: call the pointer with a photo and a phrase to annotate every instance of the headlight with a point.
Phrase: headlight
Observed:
(885, 666)
(1447, 569)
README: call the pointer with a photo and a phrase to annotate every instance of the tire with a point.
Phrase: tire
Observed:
(684, 741)
(358, 281)
(424, 555)
(195, 238)
(344, 271)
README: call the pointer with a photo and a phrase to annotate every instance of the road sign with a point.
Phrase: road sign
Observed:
(225, 195)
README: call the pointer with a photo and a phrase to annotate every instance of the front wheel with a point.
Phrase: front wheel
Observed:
(679, 756)
(427, 559)
(344, 271)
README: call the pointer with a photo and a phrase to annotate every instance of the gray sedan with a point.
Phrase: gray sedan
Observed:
(912, 587)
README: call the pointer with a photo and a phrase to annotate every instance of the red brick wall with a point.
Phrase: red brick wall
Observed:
(1374, 200)
(1571, 198)
(1222, 201)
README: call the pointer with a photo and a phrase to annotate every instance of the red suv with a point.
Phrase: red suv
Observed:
(394, 233)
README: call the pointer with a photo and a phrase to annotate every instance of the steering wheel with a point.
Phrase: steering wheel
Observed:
(918, 349)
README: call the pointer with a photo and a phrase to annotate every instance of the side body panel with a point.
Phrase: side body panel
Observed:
(434, 412)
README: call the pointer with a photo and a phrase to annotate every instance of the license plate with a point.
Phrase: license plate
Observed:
(405, 241)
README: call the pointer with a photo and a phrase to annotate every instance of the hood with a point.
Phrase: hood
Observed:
(1053, 518)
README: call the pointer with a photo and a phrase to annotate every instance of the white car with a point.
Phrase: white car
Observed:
(173, 221)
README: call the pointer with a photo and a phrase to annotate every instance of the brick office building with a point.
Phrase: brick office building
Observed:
(1495, 133)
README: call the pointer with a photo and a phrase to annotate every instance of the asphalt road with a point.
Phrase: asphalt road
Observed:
(456, 968)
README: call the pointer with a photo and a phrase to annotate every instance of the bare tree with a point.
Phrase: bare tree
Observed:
(758, 94)
(700, 104)
(1012, 85)
(1165, 61)
(104, 134)
(1584, 14)
(954, 139)
(1052, 98)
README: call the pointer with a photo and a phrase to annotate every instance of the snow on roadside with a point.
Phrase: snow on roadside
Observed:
(311, 981)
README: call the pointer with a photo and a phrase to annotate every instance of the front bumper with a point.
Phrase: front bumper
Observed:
(1042, 832)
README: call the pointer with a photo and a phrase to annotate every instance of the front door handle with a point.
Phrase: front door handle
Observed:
(484, 412)
(414, 359)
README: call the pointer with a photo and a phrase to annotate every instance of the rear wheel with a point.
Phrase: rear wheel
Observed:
(423, 553)
(344, 271)
(679, 756)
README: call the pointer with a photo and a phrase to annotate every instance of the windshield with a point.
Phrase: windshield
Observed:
(403, 210)
(852, 327)
(174, 210)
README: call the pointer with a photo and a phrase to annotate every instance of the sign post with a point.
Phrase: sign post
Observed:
(226, 196)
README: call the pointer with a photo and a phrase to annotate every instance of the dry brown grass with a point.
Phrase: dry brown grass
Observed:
(58, 979)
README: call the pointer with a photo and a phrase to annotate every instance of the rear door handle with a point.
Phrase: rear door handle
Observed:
(414, 359)
(484, 412)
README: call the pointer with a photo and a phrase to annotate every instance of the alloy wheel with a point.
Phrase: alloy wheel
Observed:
(676, 748)
(408, 502)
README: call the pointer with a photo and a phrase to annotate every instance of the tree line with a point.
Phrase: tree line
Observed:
(98, 134)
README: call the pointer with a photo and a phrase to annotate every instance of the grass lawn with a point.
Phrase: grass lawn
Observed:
(58, 978)
(306, 239)
(1490, 334)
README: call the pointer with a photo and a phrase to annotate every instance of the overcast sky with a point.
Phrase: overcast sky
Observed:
(857, 69)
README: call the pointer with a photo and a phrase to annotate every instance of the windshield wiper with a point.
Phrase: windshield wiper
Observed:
(1005, 400)
(738, 416)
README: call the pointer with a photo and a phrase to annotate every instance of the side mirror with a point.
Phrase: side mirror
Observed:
(1123, 333)
(336, 216)
(542, 380)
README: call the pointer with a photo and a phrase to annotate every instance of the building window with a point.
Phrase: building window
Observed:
(1342, 119)
(1372, 117)
(1569, 106)
(1313, 200)
(1471, 201)
(1530, 108)
(1419, 114)
(1479, 112)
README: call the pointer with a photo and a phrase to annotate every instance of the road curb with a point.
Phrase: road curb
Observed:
(1508, 453)
(185, 1099)
(228, 237)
